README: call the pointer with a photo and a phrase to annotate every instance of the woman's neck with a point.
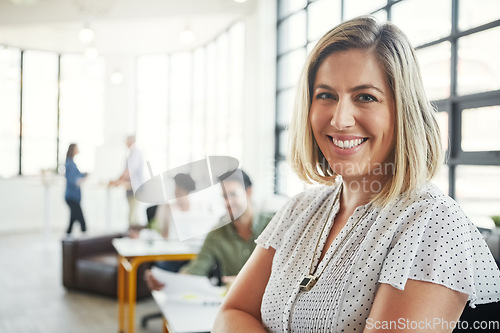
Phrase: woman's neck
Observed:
(360, 191)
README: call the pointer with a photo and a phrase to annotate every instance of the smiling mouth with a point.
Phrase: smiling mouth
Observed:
(347, 144)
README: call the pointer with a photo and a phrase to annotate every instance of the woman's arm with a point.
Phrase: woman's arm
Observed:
(240, 311)
(421, 307)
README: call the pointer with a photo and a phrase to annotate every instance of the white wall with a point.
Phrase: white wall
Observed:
(26, 204)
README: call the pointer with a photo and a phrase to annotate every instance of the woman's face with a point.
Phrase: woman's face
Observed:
(353, 115)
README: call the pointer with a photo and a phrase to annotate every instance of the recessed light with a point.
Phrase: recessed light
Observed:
(116, 77)
(187, 36)
(86, 35)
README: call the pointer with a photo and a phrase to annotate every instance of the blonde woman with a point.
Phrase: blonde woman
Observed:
(377, 247)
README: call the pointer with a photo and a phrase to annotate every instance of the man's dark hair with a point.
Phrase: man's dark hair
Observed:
(234, 175)
(184, 180)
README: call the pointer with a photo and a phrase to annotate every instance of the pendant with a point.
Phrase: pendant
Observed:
(308, 282)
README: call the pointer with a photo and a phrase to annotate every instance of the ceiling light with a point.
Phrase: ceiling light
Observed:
(116, 77)
(240, 1)
(91, 53)
(86, 35)
(186, 36)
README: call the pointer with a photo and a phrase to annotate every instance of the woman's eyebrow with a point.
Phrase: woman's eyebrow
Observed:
(354, 89)
(322, 86)
(366, 86)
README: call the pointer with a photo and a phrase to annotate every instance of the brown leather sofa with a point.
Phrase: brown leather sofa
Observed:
(90, 264)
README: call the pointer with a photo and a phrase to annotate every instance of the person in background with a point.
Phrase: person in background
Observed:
(229, 246)
(133, 169)
(376, 243)
(162, 221)
(73, 194)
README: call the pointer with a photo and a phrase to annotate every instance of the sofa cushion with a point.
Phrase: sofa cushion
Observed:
(90, 264)
(97, 273)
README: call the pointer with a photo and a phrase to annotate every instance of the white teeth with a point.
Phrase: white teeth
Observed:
(347, 143)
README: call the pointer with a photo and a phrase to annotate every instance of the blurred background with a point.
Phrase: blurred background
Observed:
(193, 78)
(205, 77)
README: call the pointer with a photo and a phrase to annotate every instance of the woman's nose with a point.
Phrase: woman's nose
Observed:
(343, 115)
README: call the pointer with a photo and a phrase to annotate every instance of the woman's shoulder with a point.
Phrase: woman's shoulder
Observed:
(428, 205)
(427, 196)
(316, 193)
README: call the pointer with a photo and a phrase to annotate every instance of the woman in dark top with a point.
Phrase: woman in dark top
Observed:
(73, 194)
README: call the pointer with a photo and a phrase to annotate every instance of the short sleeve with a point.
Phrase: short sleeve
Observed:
(437, 243)
(272, 236)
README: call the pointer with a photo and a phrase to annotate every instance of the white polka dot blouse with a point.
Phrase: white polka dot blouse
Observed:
(426, 238)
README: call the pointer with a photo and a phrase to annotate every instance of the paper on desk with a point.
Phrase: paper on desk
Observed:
(187, 288)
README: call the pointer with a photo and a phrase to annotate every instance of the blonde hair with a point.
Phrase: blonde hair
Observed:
(417, 152)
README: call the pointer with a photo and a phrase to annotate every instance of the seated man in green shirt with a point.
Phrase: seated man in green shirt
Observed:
(231, 245)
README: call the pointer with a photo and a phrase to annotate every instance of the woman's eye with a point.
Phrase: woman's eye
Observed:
(365, 98)
(324, 95)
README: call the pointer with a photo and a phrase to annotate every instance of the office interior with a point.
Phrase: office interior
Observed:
(191, 79)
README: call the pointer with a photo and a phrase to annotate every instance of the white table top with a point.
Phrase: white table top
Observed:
(134, 247)
(184, 317)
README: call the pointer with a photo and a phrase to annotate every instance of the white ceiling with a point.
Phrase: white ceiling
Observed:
(121, 26)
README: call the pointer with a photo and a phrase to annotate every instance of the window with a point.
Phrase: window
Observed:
(461, 75)
(152, 106)
(10, 92)
(179, 115)
(39, 113)
(190, 103)
(236, 97)
(435, 65)
(478, 71)
(60, 101)
(199, 103)
(81, 108)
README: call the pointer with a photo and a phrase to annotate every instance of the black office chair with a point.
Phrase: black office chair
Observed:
(482, 314)
(150, 214)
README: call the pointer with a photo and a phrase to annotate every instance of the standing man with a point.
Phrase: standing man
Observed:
(131, 178)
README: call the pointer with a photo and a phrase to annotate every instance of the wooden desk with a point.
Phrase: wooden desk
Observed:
(132, 253)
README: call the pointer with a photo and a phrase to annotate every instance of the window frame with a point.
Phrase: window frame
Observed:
(453, 105)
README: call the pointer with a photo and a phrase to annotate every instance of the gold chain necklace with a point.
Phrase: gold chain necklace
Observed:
(310, 280)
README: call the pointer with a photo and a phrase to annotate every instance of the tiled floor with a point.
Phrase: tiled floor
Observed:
(33, 300)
